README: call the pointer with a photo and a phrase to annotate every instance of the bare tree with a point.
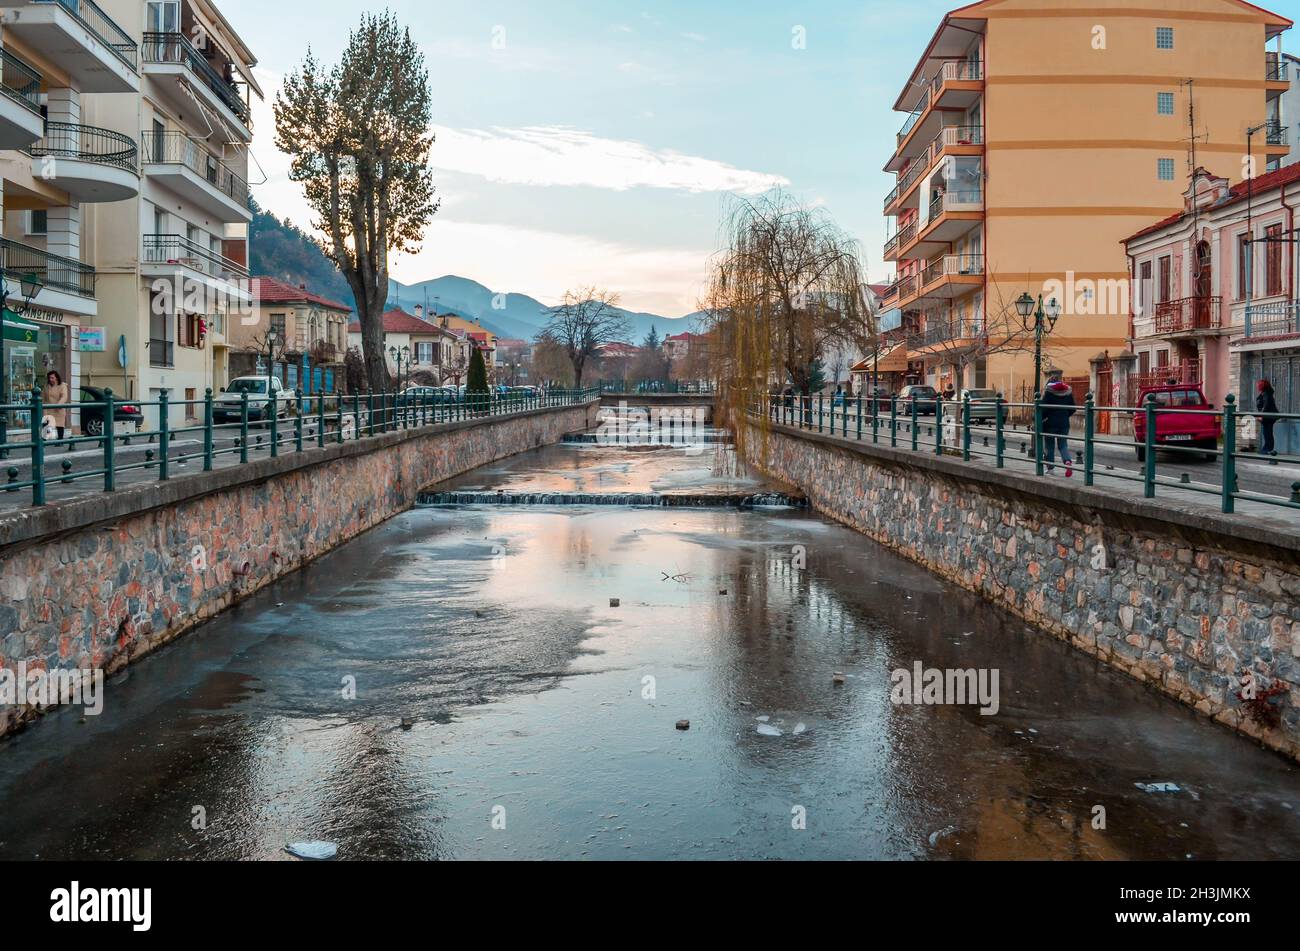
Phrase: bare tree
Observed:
(358, 136)
(586, 320)
(786, 290)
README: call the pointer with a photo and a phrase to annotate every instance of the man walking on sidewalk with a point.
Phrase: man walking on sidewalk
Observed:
(1057, 406)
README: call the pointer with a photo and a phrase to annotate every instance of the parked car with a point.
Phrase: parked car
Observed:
(983, 404)
(92, 417)
(228, 406)
(925, 397)
(1194, 429)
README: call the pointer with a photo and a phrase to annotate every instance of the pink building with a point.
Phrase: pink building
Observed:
(1214, 296)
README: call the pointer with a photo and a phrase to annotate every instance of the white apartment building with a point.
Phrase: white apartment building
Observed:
(56, 166)
(173, 263)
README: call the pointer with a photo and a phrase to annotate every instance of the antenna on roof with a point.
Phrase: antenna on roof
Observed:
(1191, 151)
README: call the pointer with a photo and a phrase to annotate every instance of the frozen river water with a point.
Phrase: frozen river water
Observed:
(504, 709)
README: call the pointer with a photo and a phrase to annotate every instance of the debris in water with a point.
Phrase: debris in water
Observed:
(837, 678)
(946, 830)
(1158, 787)
(800, 728)
(722, 591)
(683, 724)
(613, 602)
(317, 851)
(407, 723)
(766, 729)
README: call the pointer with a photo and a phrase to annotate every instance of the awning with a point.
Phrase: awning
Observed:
(892, 359)
(19, 328)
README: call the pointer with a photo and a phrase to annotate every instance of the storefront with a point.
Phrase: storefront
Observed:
(32, 348)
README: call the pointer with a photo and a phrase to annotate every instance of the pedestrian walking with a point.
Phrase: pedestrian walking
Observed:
(55, 392)
(1057, 406)
(1266, 402)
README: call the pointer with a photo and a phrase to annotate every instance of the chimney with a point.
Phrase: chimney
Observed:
(419, 311)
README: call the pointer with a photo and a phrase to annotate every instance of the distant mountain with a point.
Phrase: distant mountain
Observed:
(510, 314)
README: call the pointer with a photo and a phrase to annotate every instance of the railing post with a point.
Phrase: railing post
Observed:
(207, 429)
(1149, 461)
(356, 417)
(370, 412)
(1089, 456)
(297, 424)
(965, 426)
(273, 407)
(1038, 434)
(821, 413)
(916, 433)
(1229, 500)
(859, 417)
(38, 449)
(110, 479)
(875, 417)
(938, 426)
(163, 434)
(243, 426)
(999, 444)
(893, 421)
(320, 419)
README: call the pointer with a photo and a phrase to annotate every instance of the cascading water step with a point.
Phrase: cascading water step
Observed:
(660, 500)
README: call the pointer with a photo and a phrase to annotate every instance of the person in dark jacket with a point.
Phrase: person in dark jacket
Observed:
(1058, 406)
(1265, 402)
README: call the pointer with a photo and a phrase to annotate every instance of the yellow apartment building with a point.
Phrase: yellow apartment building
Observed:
(1038, 135)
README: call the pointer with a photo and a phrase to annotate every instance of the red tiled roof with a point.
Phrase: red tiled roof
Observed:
(1284, 176)
(400, 322)
(272, 291)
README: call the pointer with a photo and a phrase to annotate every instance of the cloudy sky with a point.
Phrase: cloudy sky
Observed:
(595, 141)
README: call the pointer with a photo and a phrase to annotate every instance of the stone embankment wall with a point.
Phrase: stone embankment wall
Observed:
(1185, 601)
(99, 581)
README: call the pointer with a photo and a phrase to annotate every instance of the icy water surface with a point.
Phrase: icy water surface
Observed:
(542, 720)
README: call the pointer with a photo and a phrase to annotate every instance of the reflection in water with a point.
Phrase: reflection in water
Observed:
(490, 631)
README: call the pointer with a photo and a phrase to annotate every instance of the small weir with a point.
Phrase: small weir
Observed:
(738, 500)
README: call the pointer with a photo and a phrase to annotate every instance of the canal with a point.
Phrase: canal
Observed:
(459, 684)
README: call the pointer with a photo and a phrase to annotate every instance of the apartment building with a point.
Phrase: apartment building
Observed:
(55, 167)
(300, 334)
(1215, 296)
(173, 263)
(1038, 135)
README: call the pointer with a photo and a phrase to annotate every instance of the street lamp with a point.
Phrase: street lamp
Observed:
(400, 356)
(30, 285)
(1044, 320)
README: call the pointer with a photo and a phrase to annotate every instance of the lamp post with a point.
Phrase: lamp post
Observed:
(1044, 320)
(30, 285)
(399, 357)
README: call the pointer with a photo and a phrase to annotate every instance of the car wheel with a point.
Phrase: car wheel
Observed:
(93, 426)
(1141, 453)
(1211, 448)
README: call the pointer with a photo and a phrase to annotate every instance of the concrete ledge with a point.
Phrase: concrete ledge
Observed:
(36, 524)
(1249, 534)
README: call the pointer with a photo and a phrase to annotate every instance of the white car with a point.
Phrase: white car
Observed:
(228, 406)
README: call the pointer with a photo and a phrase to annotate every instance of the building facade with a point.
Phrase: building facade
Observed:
(430, 352)
(1037, 136)
(173, 263)
(304, 334)
(1215, 296)
(56, 167)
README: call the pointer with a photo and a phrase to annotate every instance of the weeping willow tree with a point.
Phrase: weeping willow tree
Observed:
(786, 290)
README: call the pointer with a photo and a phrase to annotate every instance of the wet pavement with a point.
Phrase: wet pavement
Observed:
(542, 719)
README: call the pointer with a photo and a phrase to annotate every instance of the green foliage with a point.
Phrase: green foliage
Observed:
(285, 252)
(816, 377)
(477, 380)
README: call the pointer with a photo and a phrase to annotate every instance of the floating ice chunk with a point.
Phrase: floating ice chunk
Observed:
(763, 719)
(800, 728)
(946, 830)
(312, 850)
(1158, 787)
(766, 729)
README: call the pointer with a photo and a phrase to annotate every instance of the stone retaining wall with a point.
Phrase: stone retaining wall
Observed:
(1185, 601)
(99, 581)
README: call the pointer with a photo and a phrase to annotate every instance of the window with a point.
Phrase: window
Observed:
(424, 351)
(191, 395)
(1165, 103)
(277, 327)
(1144, 288)
(1165, 289)
(1243, 266)
(38, 221)
(1165, 169)
(1164, 37)
(1273, 260)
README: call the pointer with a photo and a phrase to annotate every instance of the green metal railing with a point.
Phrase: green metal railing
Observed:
(999, 432)
(219, 431)
(651, 387)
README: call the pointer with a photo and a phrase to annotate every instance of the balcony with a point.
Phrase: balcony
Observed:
(1280, 319)
(89, 164)
(173, 257)
(1188, 316)
(1276, 78)
(951, 275)
(947, 336)
(900, 241)
(21, 122)
(186, 167)
(1275, 135)
(950, 140)
(170, 55)
(97, 54)
(955, 87)
(67, 284)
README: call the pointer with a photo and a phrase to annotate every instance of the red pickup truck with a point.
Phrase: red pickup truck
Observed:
(1195, 429)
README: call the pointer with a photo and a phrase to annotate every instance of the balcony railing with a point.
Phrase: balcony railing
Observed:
(1273, 320)
(53, 270)
(963, 71)
(1274, 70)
(167, 48)
(972, 199)
(88, 144)
(902, 239)
(917, 111)
(951, 265)
(958, 135)
(1275, 134)
(20, 82)
(175, 249)
(102, 26)
(1187, 314)
(176, 148)
(948, 331)
(890, 198)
